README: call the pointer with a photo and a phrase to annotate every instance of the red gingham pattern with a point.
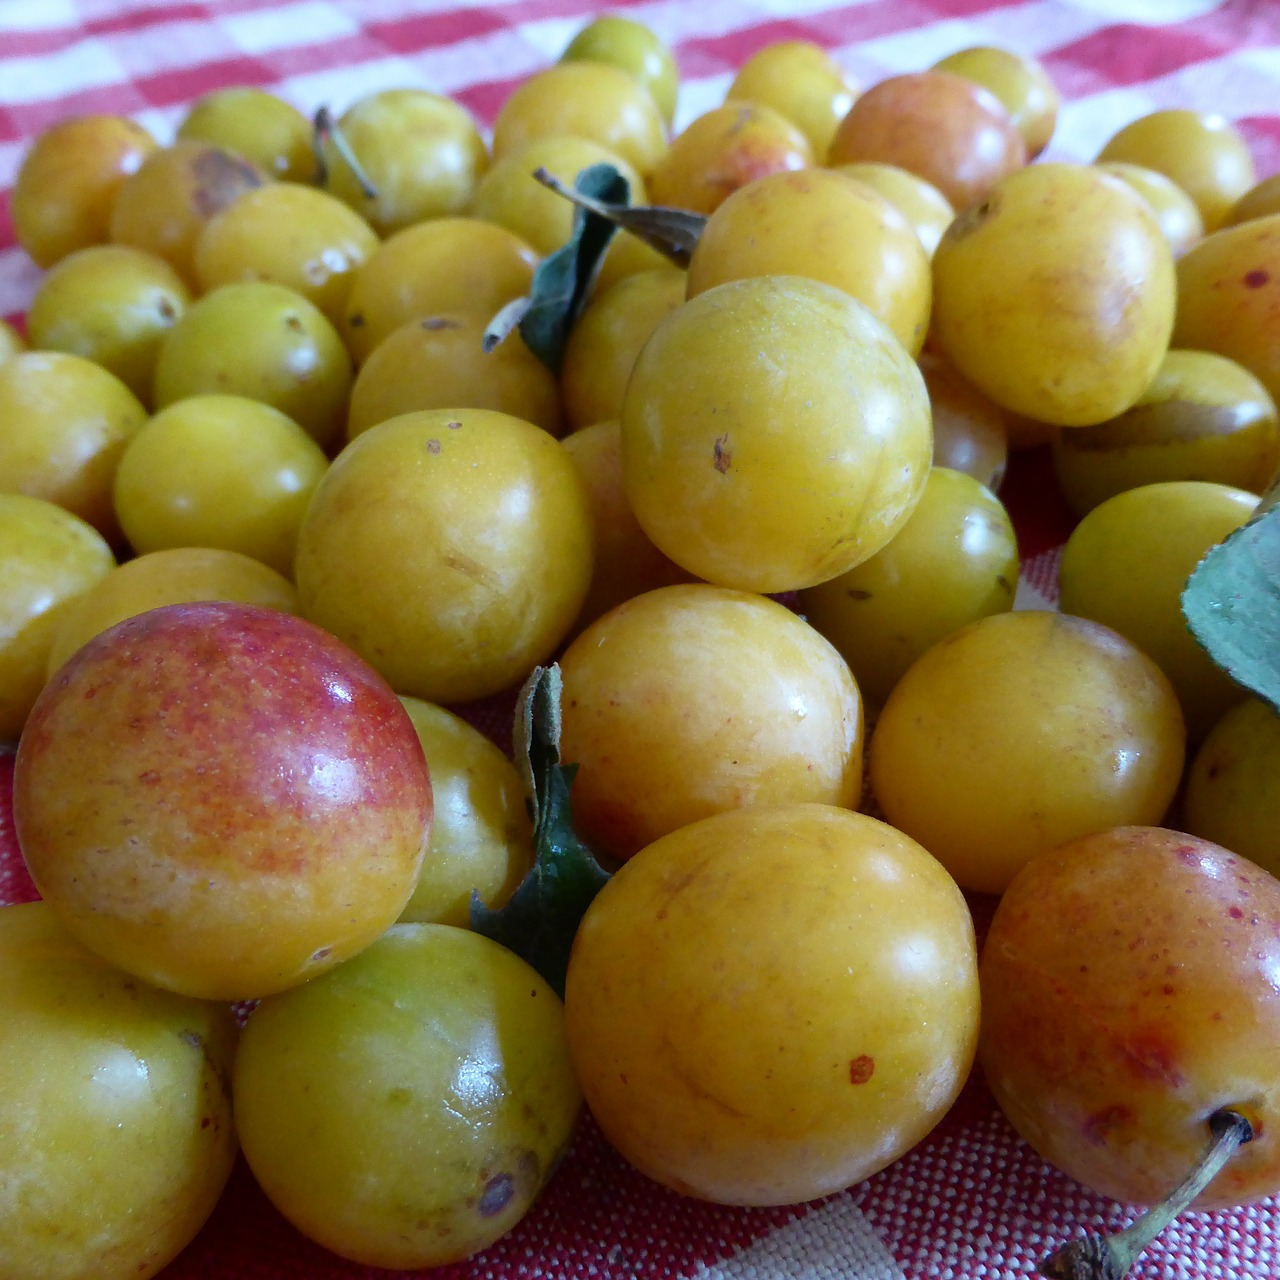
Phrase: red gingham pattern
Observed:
(972, 1200)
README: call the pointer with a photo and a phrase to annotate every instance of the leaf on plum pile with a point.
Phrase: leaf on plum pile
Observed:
(541, 917)
(674, 233)
(563, 280)
(1232, 603)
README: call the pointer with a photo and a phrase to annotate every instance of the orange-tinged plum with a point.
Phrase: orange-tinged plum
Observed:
(1020, 84)
(724, 150)
(669, 721)
(1229, 298)
(827, 227)
(773, 1003)
(67, 183)
(1056, 295)
(221, 799)
(948, 130)
(627, 564)
(1019, 732)
(1128, 992)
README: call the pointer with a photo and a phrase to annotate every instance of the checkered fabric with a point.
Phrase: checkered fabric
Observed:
(972, 1200)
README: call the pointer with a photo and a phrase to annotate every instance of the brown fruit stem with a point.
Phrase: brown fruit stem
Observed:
(1110, 1257)
(324, 127)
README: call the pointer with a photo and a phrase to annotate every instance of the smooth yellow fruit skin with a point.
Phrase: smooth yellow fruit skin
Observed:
(265, 342)
(668, 714)
(301, 238)
(1259, 201)
(1229, 297)
(481, 837)
(723, 150)
(626, 563)
(1021, 85)
(218, 471)
(66, 423)
(1203, 153)
(176, 576)
(48, 558)
(631, 47)
(1021, 731)
(925, 207)
(774, 434)
(774, 1003)
(67, 183)
(587, 100)
(406, 1109)
(1203, 417)
(826, 227)
(1233, 785)
(11, 341)
(439, 362)
(1126, 564)
(953, 562)
(1175, 211)
(422, 152)
(451, 549)
(447, 264)
(607, 340)
(164, 205)
(115, 1106)
(799, 80)
(510, 196)
(110, 304)
(970, 431)
(1056, 294)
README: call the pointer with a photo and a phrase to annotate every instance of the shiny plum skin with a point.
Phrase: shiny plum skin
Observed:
(1130, 988)
(221, 799)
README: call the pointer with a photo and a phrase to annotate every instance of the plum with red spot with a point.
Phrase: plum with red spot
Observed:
(1131, 989)
(222, 799)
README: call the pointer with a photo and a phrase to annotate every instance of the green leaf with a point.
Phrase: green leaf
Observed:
(672, 232)
(564, 279)
(541, 917)
(1232, 603)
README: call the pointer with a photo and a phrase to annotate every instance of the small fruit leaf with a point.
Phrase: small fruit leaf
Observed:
(540, 919)
(563, 281)
(672, 232)
(1232, 604)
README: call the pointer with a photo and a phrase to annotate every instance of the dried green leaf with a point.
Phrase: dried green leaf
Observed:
(672, 232)
(1232, 604)
(541, 917)
(563, 280)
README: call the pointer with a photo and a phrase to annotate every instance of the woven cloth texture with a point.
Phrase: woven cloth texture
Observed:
(972, 1200)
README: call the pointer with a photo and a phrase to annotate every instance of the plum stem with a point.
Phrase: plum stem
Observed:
(1110, 1257)
(325, 127)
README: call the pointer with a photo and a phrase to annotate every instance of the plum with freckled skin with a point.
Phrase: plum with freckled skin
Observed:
(221, 799)
(1130, 988)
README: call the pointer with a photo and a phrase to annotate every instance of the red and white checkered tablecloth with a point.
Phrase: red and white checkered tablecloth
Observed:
(971, 1201)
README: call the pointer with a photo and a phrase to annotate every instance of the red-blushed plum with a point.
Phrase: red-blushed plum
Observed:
(1130, 990)
(222, 799)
